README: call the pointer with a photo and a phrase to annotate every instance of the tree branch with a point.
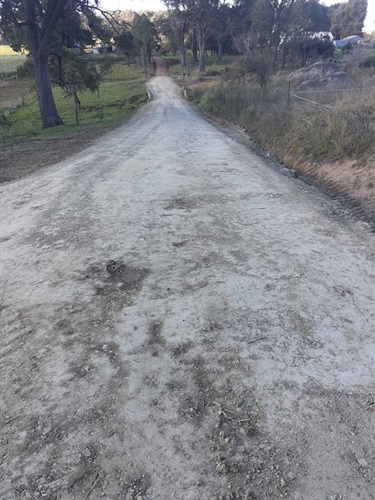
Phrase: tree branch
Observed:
(49, 23)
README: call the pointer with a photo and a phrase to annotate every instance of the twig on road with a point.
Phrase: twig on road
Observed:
(223, 411)
(257, 339)
(92, 486)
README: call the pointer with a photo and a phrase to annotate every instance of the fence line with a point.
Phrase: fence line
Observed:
(312, 102)
(332, 90)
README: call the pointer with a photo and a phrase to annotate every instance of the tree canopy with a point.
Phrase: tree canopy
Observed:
(348, 18)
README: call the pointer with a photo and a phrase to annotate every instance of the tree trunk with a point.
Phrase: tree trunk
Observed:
(48, 111)
(219, 50)
(202, 53)
(39, 41)
(181, 43)
(182, 51)
(77, 104)
(144, 59)
(194, 46)
(284, 58)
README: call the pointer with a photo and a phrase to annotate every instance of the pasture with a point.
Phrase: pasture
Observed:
(9, 61)
(121, 92)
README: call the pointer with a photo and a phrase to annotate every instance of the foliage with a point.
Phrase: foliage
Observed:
(25, 70)
(257, 64)
(348, 18)
(124, 40)
(143, 31)
(74, 74)
(369, 62)
(174, 26)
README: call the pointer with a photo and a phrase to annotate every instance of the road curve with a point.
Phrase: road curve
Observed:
(180, 320)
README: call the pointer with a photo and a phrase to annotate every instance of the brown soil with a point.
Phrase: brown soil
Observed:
(23, 158)
(351, 181)
(160, 66)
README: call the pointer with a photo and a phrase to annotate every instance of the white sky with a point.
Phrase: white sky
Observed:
(135, 5)
(155, 5)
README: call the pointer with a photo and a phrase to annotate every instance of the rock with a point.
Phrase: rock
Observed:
(330, 79)
(86, 453)
(363, 462)
(317, 70)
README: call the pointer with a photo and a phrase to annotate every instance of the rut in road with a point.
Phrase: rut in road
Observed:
(181, 320)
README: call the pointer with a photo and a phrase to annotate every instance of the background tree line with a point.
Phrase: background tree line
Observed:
(267, 33)
(280, 30)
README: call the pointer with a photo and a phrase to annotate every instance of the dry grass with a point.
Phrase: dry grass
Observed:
(340, 124)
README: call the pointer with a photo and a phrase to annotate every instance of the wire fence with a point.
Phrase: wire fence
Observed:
(330, 94)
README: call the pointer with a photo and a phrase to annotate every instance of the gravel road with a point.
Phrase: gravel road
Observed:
(182, 320)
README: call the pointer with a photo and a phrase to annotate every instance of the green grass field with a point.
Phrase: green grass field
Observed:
(121, 93)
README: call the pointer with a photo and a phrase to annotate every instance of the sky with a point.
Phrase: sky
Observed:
(155, 5)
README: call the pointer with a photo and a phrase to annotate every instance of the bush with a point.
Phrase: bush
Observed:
(369, 62)
(25, 70)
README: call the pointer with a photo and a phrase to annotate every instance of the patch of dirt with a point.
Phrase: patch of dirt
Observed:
(350, 181)
(161, 67)
(22, 158)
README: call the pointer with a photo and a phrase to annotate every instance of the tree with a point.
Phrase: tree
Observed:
(74, 74)
(348, 18)
(177, 24)
(33, 24)
(279, 6)
(39, 21)
(303, 21)
(221, 26)
(126, 43)
(144, 33)
(202, 14)
(262, 24)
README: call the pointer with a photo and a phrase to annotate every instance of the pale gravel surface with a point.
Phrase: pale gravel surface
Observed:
(181, 320)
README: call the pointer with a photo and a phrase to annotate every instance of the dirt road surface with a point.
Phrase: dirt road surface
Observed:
(181, 320)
